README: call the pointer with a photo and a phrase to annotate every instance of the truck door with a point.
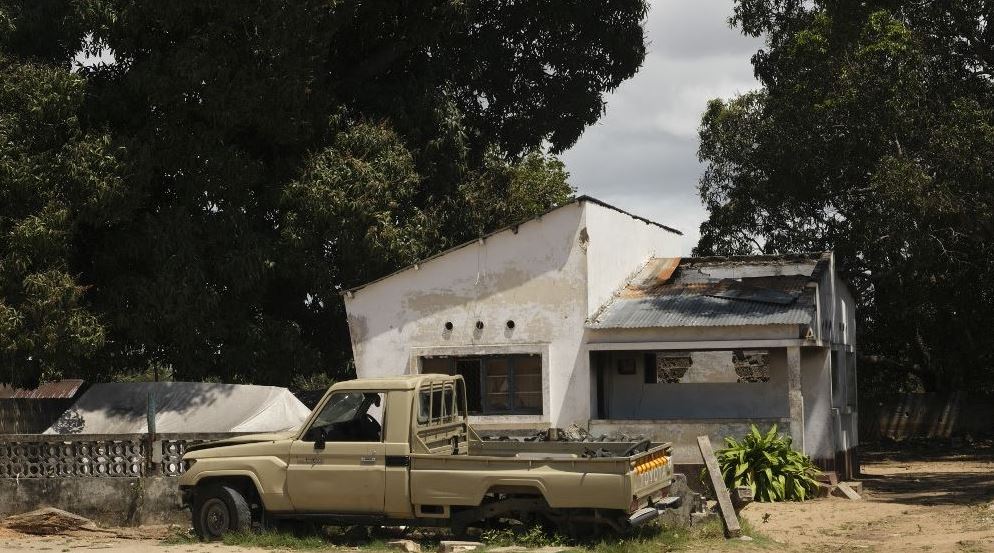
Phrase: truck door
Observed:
(338, 464)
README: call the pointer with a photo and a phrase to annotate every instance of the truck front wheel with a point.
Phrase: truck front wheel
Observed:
(219, 509)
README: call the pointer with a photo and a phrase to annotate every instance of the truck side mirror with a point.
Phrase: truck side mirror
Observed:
(319, 438)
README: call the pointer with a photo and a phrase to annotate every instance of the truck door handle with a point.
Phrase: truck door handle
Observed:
(367, 460)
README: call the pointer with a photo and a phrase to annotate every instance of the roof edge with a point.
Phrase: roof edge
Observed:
(577, 200)
(799, 256)
(632, 215)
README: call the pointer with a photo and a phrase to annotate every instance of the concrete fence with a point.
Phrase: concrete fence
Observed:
(113, 479)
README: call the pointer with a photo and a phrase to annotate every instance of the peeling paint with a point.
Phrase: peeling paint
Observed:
(357, 332)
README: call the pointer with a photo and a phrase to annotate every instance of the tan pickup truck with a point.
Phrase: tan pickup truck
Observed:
(399, 451)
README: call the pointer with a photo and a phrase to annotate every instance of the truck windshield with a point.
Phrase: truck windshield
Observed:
(349, 416)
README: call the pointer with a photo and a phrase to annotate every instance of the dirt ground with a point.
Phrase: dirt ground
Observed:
(913, 500)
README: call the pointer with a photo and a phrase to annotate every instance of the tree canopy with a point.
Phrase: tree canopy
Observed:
(198, 203)
(872, 134)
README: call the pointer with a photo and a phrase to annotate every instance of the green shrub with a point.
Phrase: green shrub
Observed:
(768, 465)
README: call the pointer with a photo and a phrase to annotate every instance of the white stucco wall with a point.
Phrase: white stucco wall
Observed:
(615, 241)
(837, 331)
(836, 310)
(816, 387)
(536, 276)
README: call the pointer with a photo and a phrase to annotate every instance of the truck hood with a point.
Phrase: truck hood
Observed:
(246, 439)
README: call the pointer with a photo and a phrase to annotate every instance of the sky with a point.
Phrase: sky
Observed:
(642, 154)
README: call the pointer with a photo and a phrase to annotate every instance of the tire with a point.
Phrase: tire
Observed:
(219, 509)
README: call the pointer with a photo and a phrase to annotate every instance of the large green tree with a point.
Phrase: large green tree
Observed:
(873, 135)
(273, 153)
(53, 178)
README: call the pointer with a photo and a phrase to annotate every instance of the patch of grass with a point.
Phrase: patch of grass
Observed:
(310, 538)
(531, 537)
(275, 540)
(652, 539)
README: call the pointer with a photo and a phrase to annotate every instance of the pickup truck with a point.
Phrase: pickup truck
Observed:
(400, 451)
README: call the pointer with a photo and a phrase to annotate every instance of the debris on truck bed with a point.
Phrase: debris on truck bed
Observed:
(573, 433)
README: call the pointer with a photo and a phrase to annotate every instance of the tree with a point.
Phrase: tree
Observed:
(275, 153)
(872, 135)
(54, 178)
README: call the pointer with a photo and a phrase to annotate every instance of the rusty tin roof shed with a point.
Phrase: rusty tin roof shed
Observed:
(716, 291)
(60, 389)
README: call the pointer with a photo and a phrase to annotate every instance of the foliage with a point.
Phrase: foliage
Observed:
(650, 538)
(534, 536)
(276, 540)
(768, 465)
(871, 135)
(205, 195)
(55, 179)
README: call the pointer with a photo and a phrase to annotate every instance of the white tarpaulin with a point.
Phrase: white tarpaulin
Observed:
(122, 407)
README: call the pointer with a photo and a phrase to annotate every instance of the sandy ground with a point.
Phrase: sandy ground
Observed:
(117, 540)
(912, 501)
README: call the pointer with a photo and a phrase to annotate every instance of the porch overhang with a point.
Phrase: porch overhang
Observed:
(699, 345)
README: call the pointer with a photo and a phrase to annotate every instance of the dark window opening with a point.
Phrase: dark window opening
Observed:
(495, 384)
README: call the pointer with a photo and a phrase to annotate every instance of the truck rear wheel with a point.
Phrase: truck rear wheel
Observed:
(219, 509)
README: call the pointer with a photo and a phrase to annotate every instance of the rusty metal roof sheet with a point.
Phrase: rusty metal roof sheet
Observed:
(735, 291)
(60, 389)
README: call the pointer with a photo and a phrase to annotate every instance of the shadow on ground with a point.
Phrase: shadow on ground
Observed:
(920, 474)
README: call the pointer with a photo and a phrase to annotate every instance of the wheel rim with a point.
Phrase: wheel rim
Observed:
(215, 517)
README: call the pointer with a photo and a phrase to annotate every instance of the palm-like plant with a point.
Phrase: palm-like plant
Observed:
(768, 465)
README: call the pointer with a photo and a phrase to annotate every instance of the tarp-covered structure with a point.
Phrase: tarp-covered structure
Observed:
(181, 407)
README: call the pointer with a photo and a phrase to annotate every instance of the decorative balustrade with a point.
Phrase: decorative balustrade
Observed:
(126, 455)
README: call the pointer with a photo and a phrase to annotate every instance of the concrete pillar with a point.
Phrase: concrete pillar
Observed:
(795, 400)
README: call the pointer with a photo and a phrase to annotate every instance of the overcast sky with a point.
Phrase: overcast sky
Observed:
(642, 155)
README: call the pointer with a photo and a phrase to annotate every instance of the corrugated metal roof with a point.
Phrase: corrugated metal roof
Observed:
(760, 290)
(697, 310)
(61, 389)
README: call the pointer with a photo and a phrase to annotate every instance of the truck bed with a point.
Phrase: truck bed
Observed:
(556, 470)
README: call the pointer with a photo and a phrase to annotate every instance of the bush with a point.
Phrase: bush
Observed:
(768, 465)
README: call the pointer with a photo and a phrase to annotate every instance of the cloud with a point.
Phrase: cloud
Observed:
(642, 154)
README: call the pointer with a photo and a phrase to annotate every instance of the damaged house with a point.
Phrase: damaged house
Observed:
(588, 315)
